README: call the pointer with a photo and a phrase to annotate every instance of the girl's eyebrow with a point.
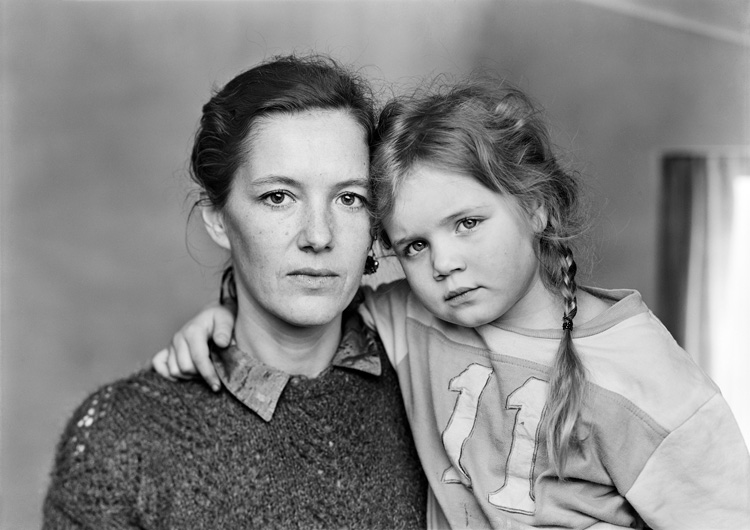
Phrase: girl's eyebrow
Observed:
(448, 219)
(400, 242)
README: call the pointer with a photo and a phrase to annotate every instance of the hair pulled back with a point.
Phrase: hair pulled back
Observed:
(281, 85)
(493, 132)
(285, 84)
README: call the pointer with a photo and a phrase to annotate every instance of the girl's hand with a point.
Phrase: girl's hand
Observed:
(188, 352)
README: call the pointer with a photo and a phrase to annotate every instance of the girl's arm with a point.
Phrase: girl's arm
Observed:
(188, 352)
(699, 476)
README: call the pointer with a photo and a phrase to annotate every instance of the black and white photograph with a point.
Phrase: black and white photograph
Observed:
(374, 264)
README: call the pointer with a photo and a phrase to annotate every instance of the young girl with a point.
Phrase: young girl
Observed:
(530, 398)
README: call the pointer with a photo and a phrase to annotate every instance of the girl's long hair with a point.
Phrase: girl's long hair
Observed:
(493, 132)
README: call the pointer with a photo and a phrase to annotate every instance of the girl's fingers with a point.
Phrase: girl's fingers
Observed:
(172, 363)
(206, 369)
(160, 366)
(223, 324)
(195, 356)
(182, 349)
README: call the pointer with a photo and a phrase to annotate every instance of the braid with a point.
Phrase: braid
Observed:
(568, 376)
(568, 288)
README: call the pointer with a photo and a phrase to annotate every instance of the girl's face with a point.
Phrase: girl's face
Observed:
(467, 251)
(296, 221)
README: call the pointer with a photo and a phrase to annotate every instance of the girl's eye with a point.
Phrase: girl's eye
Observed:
(468, 224)
(414, 248)
(352, 200)
(275, 198)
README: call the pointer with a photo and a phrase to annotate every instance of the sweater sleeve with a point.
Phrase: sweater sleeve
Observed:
(94, 481)
(384, 309)
(699, 476)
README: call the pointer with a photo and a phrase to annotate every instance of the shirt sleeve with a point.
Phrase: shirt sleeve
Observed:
(385, 310)
(699, 476)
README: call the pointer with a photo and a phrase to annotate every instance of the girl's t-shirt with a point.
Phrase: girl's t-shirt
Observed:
(658, 444)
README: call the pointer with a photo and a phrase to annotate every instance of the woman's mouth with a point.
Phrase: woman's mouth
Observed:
(314, 278)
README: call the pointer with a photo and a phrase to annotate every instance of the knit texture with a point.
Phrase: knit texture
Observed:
(150, 454)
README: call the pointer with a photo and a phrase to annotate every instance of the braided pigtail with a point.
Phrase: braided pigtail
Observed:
(568, 375)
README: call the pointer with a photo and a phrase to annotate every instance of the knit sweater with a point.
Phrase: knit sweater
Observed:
(150, 454)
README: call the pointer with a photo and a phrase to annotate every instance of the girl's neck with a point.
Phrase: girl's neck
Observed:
(547, 310)
(538, 309)
(292, 349)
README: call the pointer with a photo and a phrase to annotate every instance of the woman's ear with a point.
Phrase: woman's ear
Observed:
(539, 219)
(213, 219)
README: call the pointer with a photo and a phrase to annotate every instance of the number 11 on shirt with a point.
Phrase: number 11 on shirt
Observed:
(516, 494)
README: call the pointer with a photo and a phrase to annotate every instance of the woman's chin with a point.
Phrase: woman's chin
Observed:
(305, 314)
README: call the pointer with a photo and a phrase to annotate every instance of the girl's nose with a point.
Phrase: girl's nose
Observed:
(445, 261)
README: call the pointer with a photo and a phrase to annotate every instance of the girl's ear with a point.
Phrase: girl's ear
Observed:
(213, 219)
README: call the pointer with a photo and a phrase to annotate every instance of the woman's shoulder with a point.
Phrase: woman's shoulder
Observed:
(111, 440)
(143, 388)
(128, 406)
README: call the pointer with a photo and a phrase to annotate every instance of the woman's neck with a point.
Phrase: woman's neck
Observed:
(292, 349)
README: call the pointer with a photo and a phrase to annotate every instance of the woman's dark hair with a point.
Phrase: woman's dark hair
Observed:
(485, 129)
(287, 84)
(284, 84)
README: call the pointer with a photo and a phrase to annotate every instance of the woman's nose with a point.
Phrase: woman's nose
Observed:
(317, 230)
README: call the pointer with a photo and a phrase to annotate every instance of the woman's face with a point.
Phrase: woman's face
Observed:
(296, 220)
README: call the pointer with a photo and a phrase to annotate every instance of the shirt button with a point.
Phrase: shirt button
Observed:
(295, 381)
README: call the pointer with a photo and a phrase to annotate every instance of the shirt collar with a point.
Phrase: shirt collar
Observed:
(259, 386)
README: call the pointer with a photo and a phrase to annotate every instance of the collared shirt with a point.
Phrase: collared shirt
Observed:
(259, 386)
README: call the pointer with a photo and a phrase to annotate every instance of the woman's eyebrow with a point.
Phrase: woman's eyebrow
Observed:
(289, 181)
(361, 182)
(275, 179)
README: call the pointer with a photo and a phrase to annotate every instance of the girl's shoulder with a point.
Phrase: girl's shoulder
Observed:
(628, 351)
(600, 309)
(394, 289)
(591, 306)
(385, 302)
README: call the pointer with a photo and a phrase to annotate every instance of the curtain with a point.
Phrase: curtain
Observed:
(704, 266)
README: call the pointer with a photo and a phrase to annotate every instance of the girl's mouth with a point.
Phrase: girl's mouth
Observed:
(459, 294)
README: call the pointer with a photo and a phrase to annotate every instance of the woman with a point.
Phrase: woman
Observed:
(281, 159)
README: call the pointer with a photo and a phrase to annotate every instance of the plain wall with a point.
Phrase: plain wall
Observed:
(100, 101)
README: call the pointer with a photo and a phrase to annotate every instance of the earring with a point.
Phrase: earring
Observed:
(371, 264)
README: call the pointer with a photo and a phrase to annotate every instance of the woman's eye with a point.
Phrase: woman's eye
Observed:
(276, 198)
(351, 200)
(468, 224)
